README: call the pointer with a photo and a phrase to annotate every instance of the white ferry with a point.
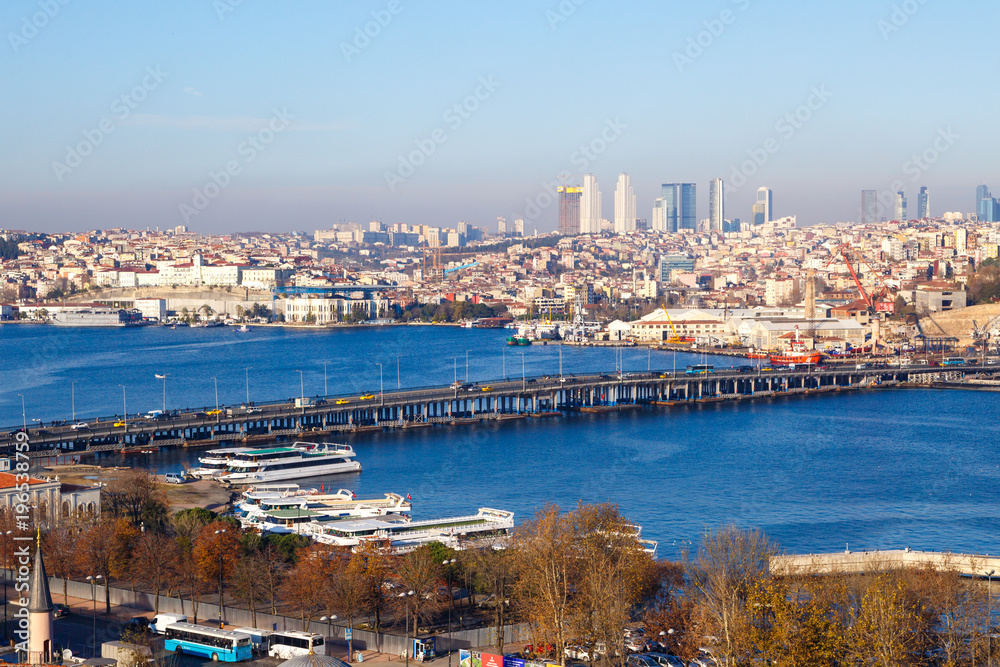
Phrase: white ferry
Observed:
(405, 534)
(285, 513)
(215, 462)
(301, 459)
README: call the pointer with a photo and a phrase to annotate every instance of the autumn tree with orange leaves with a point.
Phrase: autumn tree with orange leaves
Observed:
(216, 551)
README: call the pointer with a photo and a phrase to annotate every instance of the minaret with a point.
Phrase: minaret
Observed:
(39, 613)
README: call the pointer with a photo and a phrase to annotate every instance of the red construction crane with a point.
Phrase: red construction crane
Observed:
(878, 294)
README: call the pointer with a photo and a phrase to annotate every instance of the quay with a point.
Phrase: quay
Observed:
(468, 403)
(869, 562)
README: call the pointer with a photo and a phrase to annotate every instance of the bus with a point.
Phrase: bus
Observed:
(191, 639)
(700, 369)
(953, 361)
(290, 643)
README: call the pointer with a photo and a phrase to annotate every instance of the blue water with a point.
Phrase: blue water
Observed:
(883, 469)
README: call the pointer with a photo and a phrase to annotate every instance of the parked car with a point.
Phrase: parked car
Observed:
(666, 660)
(59, 610)
(136, 625)
(174, 478)
(640, 661)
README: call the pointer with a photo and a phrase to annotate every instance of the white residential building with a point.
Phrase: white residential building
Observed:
(590, 206)
(624, 205)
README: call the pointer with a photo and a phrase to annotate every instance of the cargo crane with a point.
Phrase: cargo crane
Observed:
(876, 300)
(676, 340)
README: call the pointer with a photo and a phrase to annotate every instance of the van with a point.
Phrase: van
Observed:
(154, 415)
(174, 478)
(161, 621)
(290, 643)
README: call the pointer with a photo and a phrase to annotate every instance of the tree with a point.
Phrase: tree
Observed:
(188, 523)
(728, 565)
(250, 582)
(546, 567)
(888, 629)
(374, 562)
(215, 553)
(136, 495)
(95, 553)
(306, 588)
(156, 560)
(126, 536)
(59, 545)
(418, 572)
(494, 569)
(348, 591)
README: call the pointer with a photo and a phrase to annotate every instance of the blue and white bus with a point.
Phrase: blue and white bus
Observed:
(224, 645)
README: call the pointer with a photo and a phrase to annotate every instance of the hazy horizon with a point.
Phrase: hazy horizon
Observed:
(296, 119)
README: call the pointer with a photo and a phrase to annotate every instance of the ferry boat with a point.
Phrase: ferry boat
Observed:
(97, 317)
(215, 462)
(404, 534)
(286, 513)
(518, 340)
(301, 459)
(797, 354)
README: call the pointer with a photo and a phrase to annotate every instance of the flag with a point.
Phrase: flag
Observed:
(160, 377)
(408, 497)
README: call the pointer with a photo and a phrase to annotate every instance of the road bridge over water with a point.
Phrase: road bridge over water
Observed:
(471, 402)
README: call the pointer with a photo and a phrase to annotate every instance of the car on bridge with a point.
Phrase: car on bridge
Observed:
(342, 401)
(252, 410)
(212, 413)
(367, 397)
(119, 424)
(487, 388)
(79, 426)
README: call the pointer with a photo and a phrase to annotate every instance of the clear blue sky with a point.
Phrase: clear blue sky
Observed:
(555, 85)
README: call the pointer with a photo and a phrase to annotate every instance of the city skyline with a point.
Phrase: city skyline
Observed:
(196, 115)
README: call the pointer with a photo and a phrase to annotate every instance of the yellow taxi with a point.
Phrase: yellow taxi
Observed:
(342, 401)
(119, 424)
(212, 413)
(368, 397)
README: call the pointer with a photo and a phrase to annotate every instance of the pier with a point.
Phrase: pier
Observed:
(870, 562)
(463, 403)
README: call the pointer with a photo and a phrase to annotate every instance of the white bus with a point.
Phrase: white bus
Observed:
(287, 644)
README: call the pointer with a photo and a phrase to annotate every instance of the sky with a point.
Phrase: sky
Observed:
(254, 115)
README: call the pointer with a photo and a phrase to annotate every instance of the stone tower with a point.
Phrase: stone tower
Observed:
(39, 613)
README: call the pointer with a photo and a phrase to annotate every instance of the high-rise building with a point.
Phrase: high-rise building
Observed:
(923, 203)
(982, 192)
(590, 206)
(569, 210)
(519, 227)
(900, 207)
(658, 223)
(680, 206)
(624, 205)
(501, 225)
(716, 205)
(869, 207)
(762, 208)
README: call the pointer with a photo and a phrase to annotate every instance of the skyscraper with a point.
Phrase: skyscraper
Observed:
(982, 192)
(590, 206)
(900, 207)
(624, 205)
(569, 210)
(680, 206)
(519, 227)
(716, 205)
(984, 201)
(869, 207)
(658, 223)
(762, 209)
(923, 203)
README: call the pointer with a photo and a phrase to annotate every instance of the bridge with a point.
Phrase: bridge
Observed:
(460, 403)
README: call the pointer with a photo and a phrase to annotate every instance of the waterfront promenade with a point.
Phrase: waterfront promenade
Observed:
(460, 402)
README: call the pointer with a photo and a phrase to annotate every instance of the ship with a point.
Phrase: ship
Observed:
(97, 317)
(797, 354)
(518, 340)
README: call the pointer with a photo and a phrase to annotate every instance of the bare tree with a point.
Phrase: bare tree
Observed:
(250, 582)
(720, 576)
(157, 558)
(495, 569)
(418, 572)
(59, 545)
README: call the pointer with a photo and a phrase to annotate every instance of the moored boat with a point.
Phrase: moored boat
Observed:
(300, 460)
